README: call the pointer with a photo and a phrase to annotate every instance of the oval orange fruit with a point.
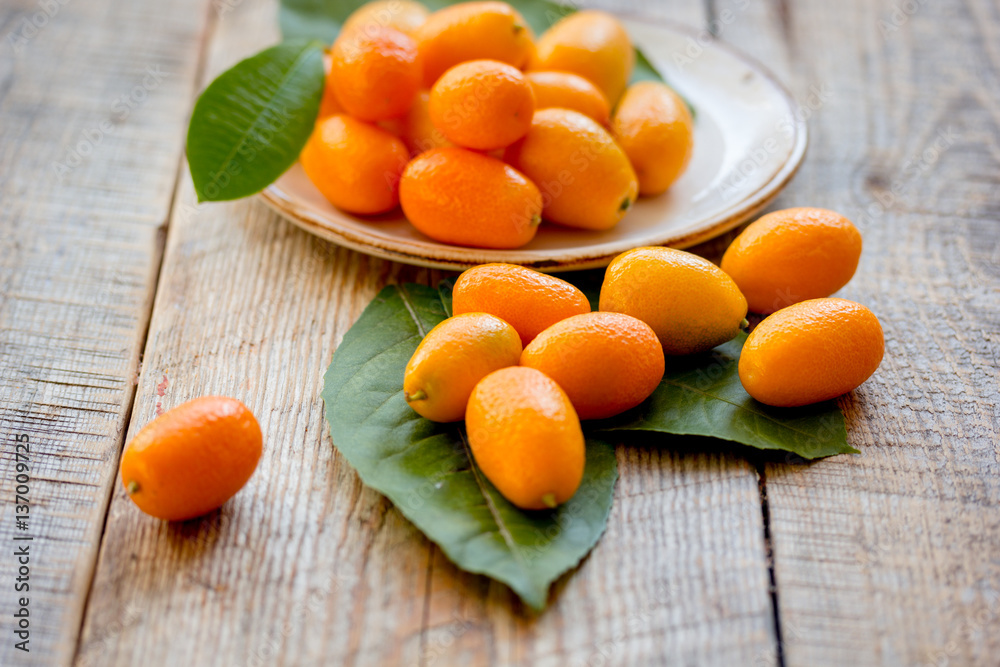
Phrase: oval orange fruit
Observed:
(456, 196)
(192, 459)
(528, 300)
(452, 358)
(606, 363)
(593, 44)
(688, 301)
(569, 91)
(473, 31)
(526, 437)
(584, 176)
(482, 104)
(375, 73)
(355, 165)
(654, 128)
(812, 351)
(793, 255)
(405, 16)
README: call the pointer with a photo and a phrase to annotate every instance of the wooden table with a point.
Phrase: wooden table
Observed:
(119, 297)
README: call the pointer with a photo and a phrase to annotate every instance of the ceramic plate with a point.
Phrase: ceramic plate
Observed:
(749, 141)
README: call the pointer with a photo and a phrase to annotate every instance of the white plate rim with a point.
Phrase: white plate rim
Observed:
(456, 258)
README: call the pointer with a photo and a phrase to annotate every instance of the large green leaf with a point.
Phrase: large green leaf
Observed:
(250, 124)
(426, 469)
(702, 395)
(321, 19)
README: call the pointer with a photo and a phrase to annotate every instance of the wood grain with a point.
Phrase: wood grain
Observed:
(884, 558)
(305, 566)
(890, 557)
(93, 97)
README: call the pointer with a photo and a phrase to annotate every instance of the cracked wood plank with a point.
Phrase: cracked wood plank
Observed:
(305, 566)
(889, 557)
(93, 97)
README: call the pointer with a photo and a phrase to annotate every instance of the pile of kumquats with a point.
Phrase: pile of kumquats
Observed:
(523, 359)
(480, 132)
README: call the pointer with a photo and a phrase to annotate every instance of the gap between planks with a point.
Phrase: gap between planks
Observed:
(765, 512)
(199, 83)
(159, 253)
(711, 25)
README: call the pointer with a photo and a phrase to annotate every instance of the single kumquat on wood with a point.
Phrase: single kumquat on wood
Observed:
(192, 459)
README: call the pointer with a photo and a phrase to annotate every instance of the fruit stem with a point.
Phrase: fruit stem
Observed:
(535, 221)
(626, 203)
(745, 324)
(418, 395)
(550, 500)
(132, 487)
(518, 28)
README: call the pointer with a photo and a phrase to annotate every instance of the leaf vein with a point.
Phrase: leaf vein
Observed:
(267, 108)
(494, 512)
(410, 308)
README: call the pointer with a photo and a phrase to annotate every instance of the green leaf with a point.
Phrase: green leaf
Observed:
(426, 469)
(314, 19)
(444, 293)
(702, 395)
(644, 70)
(589, 282)
(322, 19)
(251, 123)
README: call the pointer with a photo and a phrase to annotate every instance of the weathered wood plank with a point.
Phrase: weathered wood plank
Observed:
(679, 578)
(305, 566)
(889, 557)
(93, 97)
